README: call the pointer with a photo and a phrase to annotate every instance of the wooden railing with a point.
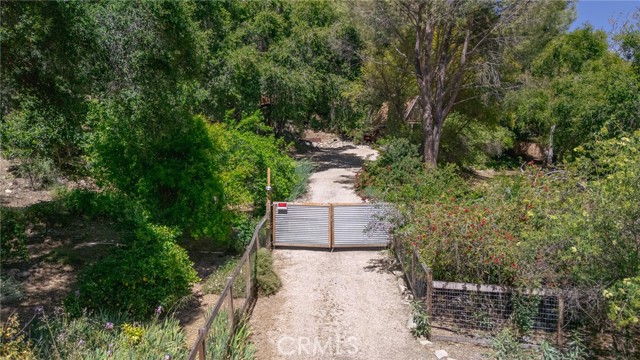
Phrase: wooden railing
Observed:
(237, 298)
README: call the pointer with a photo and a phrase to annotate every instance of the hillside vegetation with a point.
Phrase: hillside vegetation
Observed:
(172, 112)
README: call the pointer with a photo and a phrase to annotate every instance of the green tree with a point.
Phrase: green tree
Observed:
(146, 142)
(461, 45)
(577, 92)
(47, 50)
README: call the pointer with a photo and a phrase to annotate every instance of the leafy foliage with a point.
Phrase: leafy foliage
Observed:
(244, 156)
(579, 93)
(421, 319)
(399, 176)
(153, 271)
(172, 175)
(13, 235)
(535, 229)
(13, 345)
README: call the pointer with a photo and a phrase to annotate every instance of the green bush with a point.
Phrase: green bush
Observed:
(101, 335)
(12, 235)
(399, 176)
(43, 138)
(13, 345)
(304, 169)
(468, 142)
(421, 319)
(507, 347)
(623, 309)
(40, 171)
(168, 169)
(109, 205)
(268, 281)
(244, 156)
(153, 271)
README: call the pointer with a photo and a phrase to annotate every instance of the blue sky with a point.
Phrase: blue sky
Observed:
(599, 12)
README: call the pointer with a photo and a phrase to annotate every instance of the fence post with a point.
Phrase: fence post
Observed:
(249, 279)
(202, 351)
(412, 276)
(269, 239)
(232, 317)
(429, 295)
(331, 226)
(560, 324)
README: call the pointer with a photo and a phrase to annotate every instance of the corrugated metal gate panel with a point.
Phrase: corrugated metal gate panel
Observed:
(352, 226)
(302, 225)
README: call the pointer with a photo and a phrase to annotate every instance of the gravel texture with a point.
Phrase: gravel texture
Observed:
(334, 305)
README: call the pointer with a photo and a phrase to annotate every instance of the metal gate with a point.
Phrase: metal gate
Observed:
(328, 225)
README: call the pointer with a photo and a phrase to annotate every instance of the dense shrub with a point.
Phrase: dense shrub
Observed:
(13, 345)
(540, 228)
(399, 176)
(468, 142)
(12, 235)
(43, 138)
(268, 281)
(152, 271)
(243, 158)
(623, 309)
(168, 169)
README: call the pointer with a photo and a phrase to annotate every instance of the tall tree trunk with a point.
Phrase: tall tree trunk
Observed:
(430, 155)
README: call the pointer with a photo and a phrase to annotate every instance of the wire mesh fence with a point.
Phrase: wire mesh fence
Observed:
(477, 310)
(234, 303)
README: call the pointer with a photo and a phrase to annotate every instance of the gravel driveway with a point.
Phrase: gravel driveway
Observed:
(334, 305)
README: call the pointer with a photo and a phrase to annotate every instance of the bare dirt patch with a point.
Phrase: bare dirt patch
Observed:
(339, 305)
(57, 253)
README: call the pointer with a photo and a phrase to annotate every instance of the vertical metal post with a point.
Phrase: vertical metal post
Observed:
(202, 352)
(269, 237)
(331, 232)
(559, 334)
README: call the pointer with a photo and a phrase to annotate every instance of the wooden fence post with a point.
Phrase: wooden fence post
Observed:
(202, 351)
(429, 296)
(232, 317)
(249, 277)
(560, 325)
(412, 275)
(269, 239)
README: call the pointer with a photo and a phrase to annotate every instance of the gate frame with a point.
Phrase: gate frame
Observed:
(331, 245)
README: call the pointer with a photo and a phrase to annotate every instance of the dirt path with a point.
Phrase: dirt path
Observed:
(340, 305)
(336, 166)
